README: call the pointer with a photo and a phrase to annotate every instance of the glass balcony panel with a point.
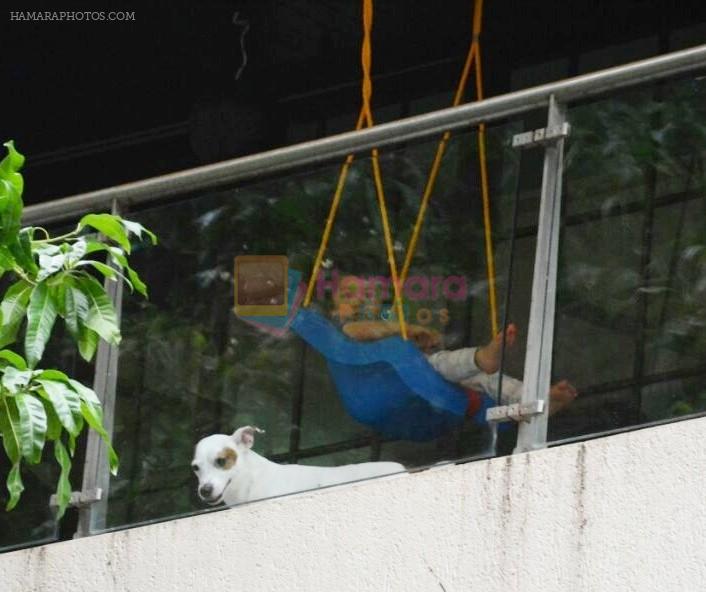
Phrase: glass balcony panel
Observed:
(632, 260)
(190, 367)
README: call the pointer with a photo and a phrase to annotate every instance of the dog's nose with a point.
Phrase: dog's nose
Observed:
(206, 490)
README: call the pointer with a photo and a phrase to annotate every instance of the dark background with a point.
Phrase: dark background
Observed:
(94, 104)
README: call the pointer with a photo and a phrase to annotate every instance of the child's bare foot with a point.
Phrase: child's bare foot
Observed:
(487, 358)
(561, 395)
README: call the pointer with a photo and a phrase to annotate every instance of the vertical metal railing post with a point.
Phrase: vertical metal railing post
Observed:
(96, 473)
(532, 433)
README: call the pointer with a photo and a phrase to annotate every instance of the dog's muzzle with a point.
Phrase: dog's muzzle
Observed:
(206, 494)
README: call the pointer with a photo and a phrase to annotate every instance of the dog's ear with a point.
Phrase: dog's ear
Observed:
(246, 435)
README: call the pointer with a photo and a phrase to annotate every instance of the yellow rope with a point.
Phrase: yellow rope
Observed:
(473, 55)
(377, 175)
(342, 176)
(489, 257)
(366, 116)
(436, 165)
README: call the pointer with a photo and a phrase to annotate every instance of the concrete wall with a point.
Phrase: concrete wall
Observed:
(620, 513)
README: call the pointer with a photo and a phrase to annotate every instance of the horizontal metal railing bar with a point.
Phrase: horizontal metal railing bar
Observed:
(403, 130)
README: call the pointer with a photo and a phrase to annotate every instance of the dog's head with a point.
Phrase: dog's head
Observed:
(218, 460)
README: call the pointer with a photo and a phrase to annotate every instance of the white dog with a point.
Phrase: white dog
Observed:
(230, 472)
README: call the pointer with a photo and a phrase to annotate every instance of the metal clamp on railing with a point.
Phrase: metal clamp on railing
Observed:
(515, 412)
(541, 136)
(80, 499)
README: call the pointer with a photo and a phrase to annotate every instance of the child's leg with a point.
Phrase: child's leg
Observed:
(466, 363)
(487, 358)
(457, 365)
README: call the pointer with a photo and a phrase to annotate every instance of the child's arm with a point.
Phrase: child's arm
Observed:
(424, 338)
(370, 330)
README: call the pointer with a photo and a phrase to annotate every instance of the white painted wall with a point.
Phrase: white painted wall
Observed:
(620, 513)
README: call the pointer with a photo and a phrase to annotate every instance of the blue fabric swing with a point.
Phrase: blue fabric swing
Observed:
(387, 385)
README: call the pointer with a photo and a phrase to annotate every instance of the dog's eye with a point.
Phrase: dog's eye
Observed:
(195, 468)
(221, 462)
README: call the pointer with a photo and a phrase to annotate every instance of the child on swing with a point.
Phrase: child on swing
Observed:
(474, 368)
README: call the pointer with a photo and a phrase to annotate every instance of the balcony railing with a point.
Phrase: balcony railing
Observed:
(599, 242)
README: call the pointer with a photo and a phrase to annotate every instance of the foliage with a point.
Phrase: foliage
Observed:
(54, 277)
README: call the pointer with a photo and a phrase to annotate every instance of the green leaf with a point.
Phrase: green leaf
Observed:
(137, 229)
(136, 282)
(57, 291)
(15, 359)
(10, 428)
(93, 246)
(109, 225)
(15, 380)
(121, 260)
(12, 310)
(78, 418)
(106, 270)
(47, 250)
(41, 315)
(51, 260)
(66, 402)
(101, 314)
(113, 460)
(72, 445)
(51, 374)
(75, 308)
(21, 249)
(94, 419)
(54, 427)
(14, 486)
(10, 212)
(11, 186)
(87, 342)
(76, 252)
(63, 486)
(88, 395)
(7, 261)
(10, 166)
(70, 311)
(33, 426)
(93, 414)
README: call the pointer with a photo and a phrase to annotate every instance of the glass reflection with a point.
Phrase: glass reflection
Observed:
(632, 275)
(190, 367)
